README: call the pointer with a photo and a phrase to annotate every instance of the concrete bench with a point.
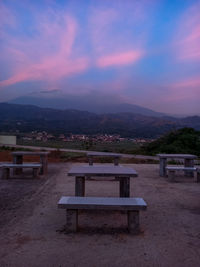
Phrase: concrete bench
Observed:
(187, 158)
(172, 169)
(18, 157)
(131, 205)
(7, 166)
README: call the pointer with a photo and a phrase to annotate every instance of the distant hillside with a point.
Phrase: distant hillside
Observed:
(91, 103)
(185, 140)
(26, 118)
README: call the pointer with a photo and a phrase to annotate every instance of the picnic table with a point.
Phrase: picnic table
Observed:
(91, 155)
(188, 162)
(18, 159)
(122, 173)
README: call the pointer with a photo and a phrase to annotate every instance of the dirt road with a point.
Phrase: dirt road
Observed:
(31, 232)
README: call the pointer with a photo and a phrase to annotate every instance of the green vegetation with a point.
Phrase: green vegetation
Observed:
(8, 148)
(70, 156)
(118, 147)
(67, 156)
(185, 140)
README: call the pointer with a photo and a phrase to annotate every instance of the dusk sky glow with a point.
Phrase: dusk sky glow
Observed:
(142, 52)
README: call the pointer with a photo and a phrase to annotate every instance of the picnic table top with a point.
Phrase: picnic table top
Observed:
(34, 153)
(104, 154)
(102, 170)
(102, 202)
(182, 156)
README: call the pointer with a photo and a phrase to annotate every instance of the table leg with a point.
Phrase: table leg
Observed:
(90, 161)
(35, 172)
(17, 159)
(189, 163)
(5, 173)
(71, 220)
(133, 222)
(116, 161)
(198, 175)
(163, 162)
(80, 186)
(124, 184)
(171, 175)
(44, 163)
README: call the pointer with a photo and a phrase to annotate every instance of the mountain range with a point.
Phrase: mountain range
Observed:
(94, 103)
(27, 118)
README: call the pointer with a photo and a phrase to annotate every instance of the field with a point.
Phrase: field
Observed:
(119, 147)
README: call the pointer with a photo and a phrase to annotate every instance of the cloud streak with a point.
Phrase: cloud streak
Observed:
(112, 45)
(119, 59)
(189, 83)
(185, 90)
(188, 35)
(46, 64)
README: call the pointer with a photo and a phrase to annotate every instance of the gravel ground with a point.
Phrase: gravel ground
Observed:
(31, 225)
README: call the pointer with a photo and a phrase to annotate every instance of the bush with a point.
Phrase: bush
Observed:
(182, 141)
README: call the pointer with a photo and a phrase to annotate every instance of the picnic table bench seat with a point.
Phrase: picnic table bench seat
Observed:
(7, 166)
(172, 169)
(73, 204)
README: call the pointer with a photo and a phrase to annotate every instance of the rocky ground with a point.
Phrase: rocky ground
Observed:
(31, 225)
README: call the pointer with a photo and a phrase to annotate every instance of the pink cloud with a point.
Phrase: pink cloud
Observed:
(35, 59)
(113, 46)
(188, 35)
(195, 82)
(101, 22)
(118, 59)
(48, 70)
(105, 27)
(187, 89)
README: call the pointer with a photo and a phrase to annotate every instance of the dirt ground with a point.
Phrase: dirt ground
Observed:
(31, 225)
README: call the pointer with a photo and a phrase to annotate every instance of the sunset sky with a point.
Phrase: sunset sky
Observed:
(142, 52)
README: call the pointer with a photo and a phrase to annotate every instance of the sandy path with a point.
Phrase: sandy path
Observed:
(171, 226)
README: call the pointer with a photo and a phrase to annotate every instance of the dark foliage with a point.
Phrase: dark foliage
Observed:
(185, 140)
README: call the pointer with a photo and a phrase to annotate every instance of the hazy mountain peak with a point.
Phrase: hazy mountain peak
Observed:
(92, 103)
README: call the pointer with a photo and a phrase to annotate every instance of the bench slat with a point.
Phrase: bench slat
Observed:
(180, 168)
(24, 165)
(106, 203)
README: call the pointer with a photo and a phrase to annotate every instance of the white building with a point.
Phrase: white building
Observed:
(8, 139)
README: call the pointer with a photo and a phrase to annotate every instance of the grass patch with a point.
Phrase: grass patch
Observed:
(127, 147)
(67, 156)
(8, 148)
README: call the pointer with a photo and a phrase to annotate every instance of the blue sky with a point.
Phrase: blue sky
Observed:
(142, 52)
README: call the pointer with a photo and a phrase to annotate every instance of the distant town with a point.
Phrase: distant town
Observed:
(104, 138)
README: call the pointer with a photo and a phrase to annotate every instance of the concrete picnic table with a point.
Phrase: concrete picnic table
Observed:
(18, 159)
(188, 162)
(91, 155)
(122, 173)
